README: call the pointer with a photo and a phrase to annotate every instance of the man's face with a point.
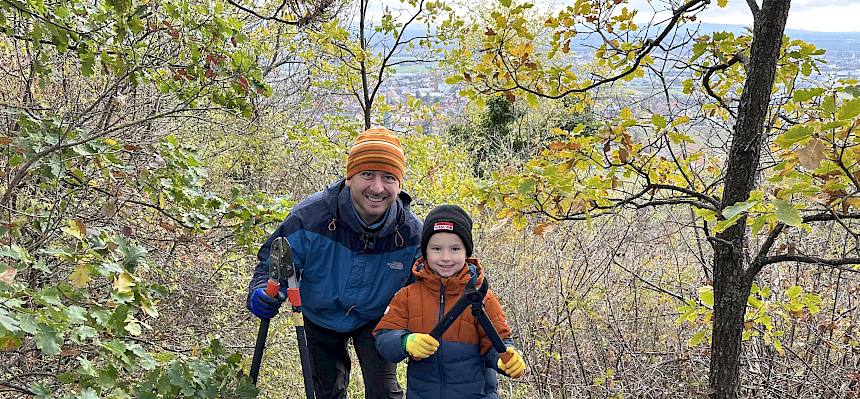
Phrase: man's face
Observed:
(372, 193)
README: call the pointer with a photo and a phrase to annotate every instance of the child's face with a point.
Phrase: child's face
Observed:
(446, 254)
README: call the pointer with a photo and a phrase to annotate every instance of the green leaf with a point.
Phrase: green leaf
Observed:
(8, 323)
(42, 391)
(828, 105)
(707, 214)
(15, 252)
(83, 333)
(201, 370)
(145, 360)
(88, 393)
(738, 208)
(659, 121)
(706, 295)
(48, 340)
(132, 254)
(453, 79)
(849, 109)
(793, 135)
(787, 213)
(526, 186)
(777, 344)
(76, 314)
(722, 225)
(697, 338)
(793, 291)
(801, 95)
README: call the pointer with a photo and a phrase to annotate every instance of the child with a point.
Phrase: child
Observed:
(463, 364)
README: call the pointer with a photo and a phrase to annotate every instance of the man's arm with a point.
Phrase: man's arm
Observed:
(291, 228)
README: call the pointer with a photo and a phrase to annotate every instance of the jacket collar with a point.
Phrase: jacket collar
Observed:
(454, 284)
(339, 200)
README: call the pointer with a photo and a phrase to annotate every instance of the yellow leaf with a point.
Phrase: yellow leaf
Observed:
(81, 276)
(722, 3)
(626, 113)
(123, 283)
(853, 202)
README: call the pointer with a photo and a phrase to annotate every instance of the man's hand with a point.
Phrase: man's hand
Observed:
(420, 346)
(515, 367)
(264, 306)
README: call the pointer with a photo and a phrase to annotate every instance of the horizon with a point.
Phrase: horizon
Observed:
(824, 16)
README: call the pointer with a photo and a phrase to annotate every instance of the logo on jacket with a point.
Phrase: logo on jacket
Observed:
(395, 265)
(443, 226)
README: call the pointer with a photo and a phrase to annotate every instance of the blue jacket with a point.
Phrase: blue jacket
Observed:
(464, 365)
(348, 274)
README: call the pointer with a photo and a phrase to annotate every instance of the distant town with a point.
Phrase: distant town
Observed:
(426, 82)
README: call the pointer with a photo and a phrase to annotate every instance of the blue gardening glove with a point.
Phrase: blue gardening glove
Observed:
(264, 306)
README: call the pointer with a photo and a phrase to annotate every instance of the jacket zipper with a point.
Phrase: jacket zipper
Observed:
(439, 360)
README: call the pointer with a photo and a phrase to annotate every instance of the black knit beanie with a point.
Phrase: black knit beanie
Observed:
(447, 219)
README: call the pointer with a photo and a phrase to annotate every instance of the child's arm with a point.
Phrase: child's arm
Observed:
(494, 311)
(391, 329)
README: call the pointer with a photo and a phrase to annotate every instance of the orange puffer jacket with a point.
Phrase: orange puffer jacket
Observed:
(464, 365)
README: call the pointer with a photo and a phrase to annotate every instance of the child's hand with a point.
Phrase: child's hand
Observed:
(515, 366)
(421, 346)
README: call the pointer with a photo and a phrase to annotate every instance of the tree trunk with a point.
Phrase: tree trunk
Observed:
(731, 287)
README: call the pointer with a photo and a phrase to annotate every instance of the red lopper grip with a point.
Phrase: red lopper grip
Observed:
(294, 297)
(272, 288)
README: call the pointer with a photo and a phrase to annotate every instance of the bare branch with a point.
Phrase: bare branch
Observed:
(706, 78)
(318, 11)
(838, 263)
(756, 264)
(648, 283)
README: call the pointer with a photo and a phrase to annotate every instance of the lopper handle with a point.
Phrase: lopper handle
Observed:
(294, 297)
(505, 356)
(272, 288)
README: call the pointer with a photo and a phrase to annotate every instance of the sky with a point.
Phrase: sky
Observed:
(811, 15)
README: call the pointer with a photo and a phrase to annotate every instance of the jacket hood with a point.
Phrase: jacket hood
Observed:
(454, 284)
(338, 199)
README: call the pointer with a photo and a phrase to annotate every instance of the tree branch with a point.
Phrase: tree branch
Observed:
(643, 51)
(837, 263)
(756, 265)
(707, 77)
(313, 14)
(754, 8)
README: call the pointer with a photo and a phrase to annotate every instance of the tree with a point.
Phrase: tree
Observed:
(656, 155)
(96, 192)
(356, 61)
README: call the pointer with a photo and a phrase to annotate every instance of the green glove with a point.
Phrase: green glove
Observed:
(514, 366)
(420, 346)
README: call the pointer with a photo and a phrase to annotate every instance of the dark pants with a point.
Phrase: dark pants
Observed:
(331, 363)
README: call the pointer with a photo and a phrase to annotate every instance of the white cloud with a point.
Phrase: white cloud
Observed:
(814, 15)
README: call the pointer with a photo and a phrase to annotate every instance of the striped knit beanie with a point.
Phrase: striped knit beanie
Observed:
(376, 148)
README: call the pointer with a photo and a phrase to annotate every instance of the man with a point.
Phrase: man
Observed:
(354, 244)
